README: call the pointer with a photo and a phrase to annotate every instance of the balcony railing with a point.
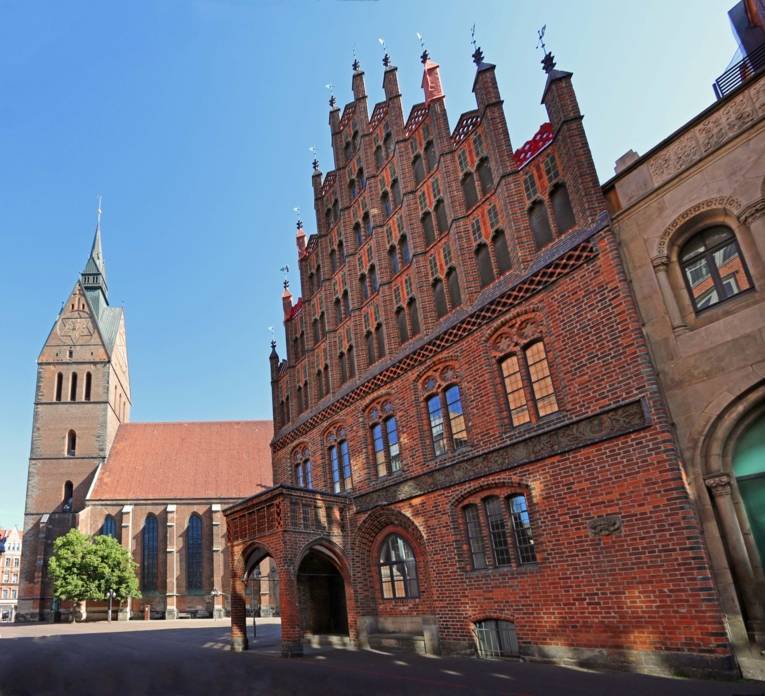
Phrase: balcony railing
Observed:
(736, 75)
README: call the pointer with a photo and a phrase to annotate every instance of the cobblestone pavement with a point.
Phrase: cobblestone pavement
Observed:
(191, 657)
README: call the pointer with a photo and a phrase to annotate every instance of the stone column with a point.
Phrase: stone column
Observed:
(660, 265)
(217, 561)
(238, 602)
(720, 487)
(126, 537)
(171, 607)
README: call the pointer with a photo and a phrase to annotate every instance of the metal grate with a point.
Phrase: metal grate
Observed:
(738, 74)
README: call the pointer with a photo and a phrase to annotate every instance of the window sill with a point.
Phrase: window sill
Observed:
(506, 569)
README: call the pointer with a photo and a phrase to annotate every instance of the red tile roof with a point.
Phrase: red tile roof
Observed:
(164, 461)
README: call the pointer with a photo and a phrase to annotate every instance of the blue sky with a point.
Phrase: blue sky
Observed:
(193, 118)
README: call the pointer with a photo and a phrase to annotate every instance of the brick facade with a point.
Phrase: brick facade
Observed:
(613, 567)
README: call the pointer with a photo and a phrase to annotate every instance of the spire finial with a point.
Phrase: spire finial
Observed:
(355, 65)
(98, 212)
(425, 55)
(332, 101)
(386, 57)
(477, 52)
(548, 61)
(286, 284)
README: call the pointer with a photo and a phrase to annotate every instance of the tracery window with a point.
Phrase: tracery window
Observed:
(469, 191)
(398, 569)
(445, 413)
(340, 461)
(109, 527)
(540, 224)
(485, 176)
(149, 554)
(561, 203)
(194, 554)
(385, 440)
(302, 468)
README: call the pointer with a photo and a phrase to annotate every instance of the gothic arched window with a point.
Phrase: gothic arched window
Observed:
(540, 224)
(403, 245)
(380, 341)
(485, 270)
(385, 444)
(439, 298)
(419, 170)
(393, 260)
(414, 318)
(109, 527)
(441, 220)
(194, 554)
(469, 191)
(453, 283)
(398, 569)
(88, 385)
(395, 188)
(403, 331)
(564, 214)
(484, 176)
(59, 385)
(149, 554)
(430, 155)
(73, 387)
(71, 443)
(427, 228)
(501, 252)
(68, 496)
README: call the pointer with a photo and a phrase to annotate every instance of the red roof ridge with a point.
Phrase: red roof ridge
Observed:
(200, 422)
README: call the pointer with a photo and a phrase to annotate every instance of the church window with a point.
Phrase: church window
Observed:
(149, 554)
(501, 252)
(340, 464)
(413, 316)
(73, 387)
(713, 267)
(430, 155)
(419, 170)
(88, 385)
(403, 331)
(68, 496)
(403, 245)
(59, 385)
(485, 270)
(469, 191)
(441, 220)
(398, 569)
(540, 225)
(71, 443)
(564, 215)
(453, 284)
(439, 298)
(427, 228)
(109, 527)
(194, 554)
(485, 176)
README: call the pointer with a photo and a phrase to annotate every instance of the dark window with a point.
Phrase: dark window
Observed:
(363, 287)
(540, 224)
(524, 540)
(340, 460)
(485, 270)
(71, 443)
(441, 220)
(436, 419)
(59, 385)
(367, 220)
(370, 339)
(346, 304)
(332, 260)
(484, 176)
(419, 170)
(393, 259)
(439, 298)
(68, 496)
(352, 188)
(319, 386)
(348, 150)
(316, 332)
(88, 385)
(475, 537)
(453, 284)
(469, 191)
(194, 554)
(497, 531)
(403, 331)
(351, 363)
(323, 324)
(301, 408)
(427, 229)
(374, 286)
(306, 395)
(73, 387)
(326, 379)
(149, 554)
(430, 155)
(357, 234)
(395, 188)
(414, 319)
(302, 343)
(564, 215)
(355, 140)
(379, 159)
(501, 252)
(340, 252)
(361, 179)
(338, 311)
(403, 245)
(343, 369)
(109, 527)
(713, 267)
(386, 206)
(380, 341)
(496, 638)
(388, 144)
(398, 569)
(335, 210)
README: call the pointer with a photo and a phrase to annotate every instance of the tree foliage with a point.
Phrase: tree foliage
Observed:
(87, 567)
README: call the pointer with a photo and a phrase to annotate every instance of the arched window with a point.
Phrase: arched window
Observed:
(713, 267)
(370, 341)
(338, 311)
(71, 443)
(374, 286)
(88, 385)
(540, 224)
(541, 381)
(355, 140)
(59, 385)
(385, 203)
(352, 188)
(328, 217)
(449, 431)
(348, 150)
(351, 362)
(496, 638)
(335, 210)
(342, 368)
(385, 442)
(501, 252)
(302, 343)
(403, 330)
(357, 234)
(380, 341)
(319, 386)
(326, 378)
(73, 387)
(393, 260)
(403, 245)
(346, 304)
(194, 554)
(68, 496)
(430, 155)
(332, 260)
(149, 554)
(441, 220)
(398, 569)
(340, 252)
(388, 144)
(379, 159)
(300, 399)
(453, 283)
(303, 470)
(363, 287)
(395, 188)
(485, 270)
(340, 464)
(322, 324)
(419, 170)
(360, 178)
(564, 215)
(316, 333)
(414, 317)
(109, 527)
(367, 220)
(427, 228)
(439, 298)
(469, 192)
(484, 176)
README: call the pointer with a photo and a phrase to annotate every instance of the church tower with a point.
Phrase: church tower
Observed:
(82, 395)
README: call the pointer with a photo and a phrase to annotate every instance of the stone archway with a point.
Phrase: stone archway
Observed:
(321, 595)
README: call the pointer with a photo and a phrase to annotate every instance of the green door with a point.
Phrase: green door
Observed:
(749, 468)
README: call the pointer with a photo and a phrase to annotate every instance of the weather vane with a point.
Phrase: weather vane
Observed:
(424, 57)
(541, 35)
(356, 65)
(273, 336)
(386, 57)
(548, 61)
(331, 87)
(98, 212)
(477, 52)
(472, 37)
(314, 151)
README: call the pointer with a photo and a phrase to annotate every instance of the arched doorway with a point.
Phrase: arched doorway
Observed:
(321, 591)
(261, 588)
(749, 469)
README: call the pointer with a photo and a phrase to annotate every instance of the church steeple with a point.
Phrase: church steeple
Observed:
(94, 273)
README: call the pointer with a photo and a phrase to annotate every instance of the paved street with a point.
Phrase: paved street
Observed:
(193, 657)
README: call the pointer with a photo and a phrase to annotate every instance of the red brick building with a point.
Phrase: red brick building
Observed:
(470, 449)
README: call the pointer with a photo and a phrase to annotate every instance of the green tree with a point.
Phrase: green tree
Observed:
(84, 567)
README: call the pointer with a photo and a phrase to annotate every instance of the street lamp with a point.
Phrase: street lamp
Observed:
(111, 594)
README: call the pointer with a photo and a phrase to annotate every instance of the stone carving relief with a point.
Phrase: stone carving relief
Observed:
(753, 211)
(513, 335)
(738, 114)
(605, 525)
(718, 485)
